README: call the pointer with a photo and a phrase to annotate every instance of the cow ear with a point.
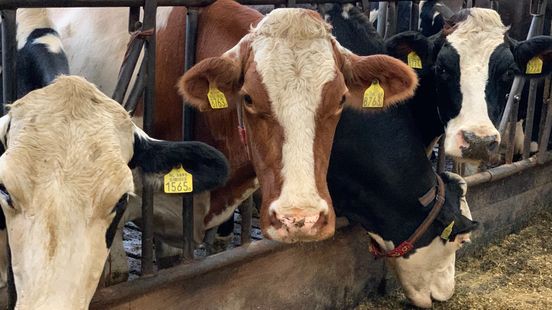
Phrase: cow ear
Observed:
(222, 73)
(463, 225)
(208, 167)
(402, 45)
(534, 56)
(361, 72)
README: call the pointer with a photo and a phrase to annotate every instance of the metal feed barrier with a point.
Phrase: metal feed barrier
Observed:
(144, 38)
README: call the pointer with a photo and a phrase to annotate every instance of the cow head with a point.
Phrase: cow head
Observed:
(293, 79)
(428, 273)
(473, 64)
(65, 181)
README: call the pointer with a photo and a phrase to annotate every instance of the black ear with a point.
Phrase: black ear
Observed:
(463, 225)
(525, 51)
(207, 165)
(402, 44)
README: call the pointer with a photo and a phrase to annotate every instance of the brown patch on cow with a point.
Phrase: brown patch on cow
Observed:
(53, 238)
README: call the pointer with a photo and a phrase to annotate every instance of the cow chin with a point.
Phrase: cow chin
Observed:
(52, 272)
(428, 274)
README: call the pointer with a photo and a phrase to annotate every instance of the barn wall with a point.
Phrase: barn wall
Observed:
(325, 275)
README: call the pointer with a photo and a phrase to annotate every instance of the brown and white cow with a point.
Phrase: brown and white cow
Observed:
(65, 179)
(293, 77)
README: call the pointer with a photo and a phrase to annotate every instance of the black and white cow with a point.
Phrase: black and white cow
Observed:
(65, 179)
(378, 181)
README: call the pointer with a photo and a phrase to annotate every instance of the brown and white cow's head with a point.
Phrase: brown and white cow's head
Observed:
(65, 178)
(294, 78)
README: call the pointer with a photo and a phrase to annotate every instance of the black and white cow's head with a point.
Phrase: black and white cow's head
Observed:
(427, 273)
(473, 63)
(65, 178)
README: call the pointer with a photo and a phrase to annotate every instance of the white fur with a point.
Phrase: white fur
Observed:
(27, 21)
(231, 207)
(345, 10)
(474, 40)
(52, 42)
(294, 57)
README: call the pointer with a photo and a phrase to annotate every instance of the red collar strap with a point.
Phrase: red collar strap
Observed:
(408, 245)
(241, 128)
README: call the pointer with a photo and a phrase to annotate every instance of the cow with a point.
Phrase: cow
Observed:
(296, 204)
(66, 179)
(40, 59)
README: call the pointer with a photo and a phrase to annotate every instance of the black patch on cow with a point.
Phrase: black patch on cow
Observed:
(36, 65)
(119, 210)
(447, 78)
(502, 70)
(430, 25)
(208, 166)
(356, 33)
(540, 46)
(2, 220)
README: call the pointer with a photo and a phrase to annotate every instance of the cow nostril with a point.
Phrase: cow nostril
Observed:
(469, 136)
(274, 221)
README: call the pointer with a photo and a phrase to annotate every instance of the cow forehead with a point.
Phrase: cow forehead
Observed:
(67, 139)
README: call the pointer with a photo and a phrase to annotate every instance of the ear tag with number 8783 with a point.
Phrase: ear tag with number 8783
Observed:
(178, 181)
(534, 66)
(373, 96)
(217, 100)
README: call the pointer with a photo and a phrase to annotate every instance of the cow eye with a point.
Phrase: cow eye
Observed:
(5, 195)
(442, 73)
(508, 75)
(247, 100)
(342, 101)
(121, 204)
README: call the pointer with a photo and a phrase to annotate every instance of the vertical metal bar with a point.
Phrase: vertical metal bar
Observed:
(468, 4)
(391, 28)
(415, 16)
(127, 69)
(529, 119)
(517, 87)
(441, 155)
(382, 18)
(187, 127)
(246, 212)
(546, 125)
(9, 85)
(150, 9)
(495, 5)
(512, 130)
(544, 108)
(9, 56)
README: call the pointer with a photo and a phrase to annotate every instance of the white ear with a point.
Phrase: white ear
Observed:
(4, 125)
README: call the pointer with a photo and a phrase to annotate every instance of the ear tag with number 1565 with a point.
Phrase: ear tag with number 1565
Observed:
(373, 96)
(178, 181)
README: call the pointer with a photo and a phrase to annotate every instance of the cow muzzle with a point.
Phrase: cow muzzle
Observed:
(477, 144)
(297, 225)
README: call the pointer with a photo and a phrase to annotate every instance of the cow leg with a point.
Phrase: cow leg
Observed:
(3, 258)
(224, 236)
(166, 255)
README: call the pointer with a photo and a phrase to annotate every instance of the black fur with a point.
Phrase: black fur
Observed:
(208, 166)
(428, 24)
(119, 210)
(36, 65)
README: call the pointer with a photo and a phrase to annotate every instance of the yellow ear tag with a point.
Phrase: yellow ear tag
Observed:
(217, 100)
(178, 181)
(414, 61)
(534, 66)
(373, 96)
(447, 231)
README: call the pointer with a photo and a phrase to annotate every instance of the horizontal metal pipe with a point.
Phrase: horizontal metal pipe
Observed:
(504, 171)
(12, 4)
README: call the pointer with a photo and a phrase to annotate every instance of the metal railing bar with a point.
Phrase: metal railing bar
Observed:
(246, 213)
(382, 18)
(187, 134)
(530, 118)
(150, 12)
(137, 89)
(512, 130)
(441, 155)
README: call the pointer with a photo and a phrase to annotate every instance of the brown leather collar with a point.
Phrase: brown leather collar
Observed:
(437, 195)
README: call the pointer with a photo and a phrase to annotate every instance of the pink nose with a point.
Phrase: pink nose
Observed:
(300, 226)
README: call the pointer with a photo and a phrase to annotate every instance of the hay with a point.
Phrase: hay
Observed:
(515, 273)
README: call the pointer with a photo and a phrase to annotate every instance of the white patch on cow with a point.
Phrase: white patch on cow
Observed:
(52, 42)
(4, 124)
(27, 21)
(345, 10)
(373, 16)
(162, 17)
(474, 40)
(231, 207)
(294, 57)
(3, 258)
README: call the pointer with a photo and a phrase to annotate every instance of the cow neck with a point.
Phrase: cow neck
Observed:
(435, 195)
